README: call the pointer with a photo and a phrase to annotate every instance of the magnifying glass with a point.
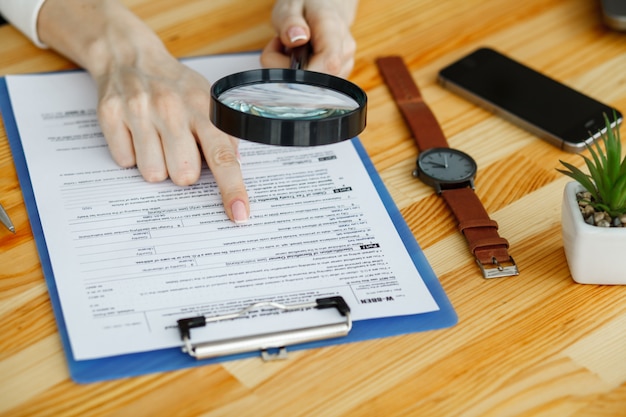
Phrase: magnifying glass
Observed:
(288, 107)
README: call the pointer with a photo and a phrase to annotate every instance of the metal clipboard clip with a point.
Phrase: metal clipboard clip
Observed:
(264, 342)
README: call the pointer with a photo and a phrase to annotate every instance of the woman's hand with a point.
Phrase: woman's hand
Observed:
(153, 110)
(323, 23)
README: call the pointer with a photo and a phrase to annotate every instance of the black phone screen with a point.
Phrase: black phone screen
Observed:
(504, 85)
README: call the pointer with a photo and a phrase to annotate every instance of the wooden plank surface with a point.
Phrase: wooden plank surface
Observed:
(534, 345)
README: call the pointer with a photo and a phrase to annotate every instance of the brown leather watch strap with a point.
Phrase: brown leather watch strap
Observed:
(481, 233)
(418, 116)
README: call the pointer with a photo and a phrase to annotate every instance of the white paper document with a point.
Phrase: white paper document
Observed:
(130, 258)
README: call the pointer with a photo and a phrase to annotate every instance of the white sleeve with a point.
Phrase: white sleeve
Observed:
(23, 15)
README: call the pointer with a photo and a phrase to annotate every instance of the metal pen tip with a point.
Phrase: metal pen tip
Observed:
(4, 218)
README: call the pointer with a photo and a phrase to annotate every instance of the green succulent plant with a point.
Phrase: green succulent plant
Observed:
(606, 181)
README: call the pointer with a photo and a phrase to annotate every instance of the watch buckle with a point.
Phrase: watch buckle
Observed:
(499, 269)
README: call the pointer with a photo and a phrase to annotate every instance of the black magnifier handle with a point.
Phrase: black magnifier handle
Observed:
(300, 56)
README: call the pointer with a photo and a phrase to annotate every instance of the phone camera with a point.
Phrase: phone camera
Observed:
(469, 63)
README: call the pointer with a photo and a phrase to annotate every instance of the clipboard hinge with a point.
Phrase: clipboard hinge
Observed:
(268, 341)
(268, 356)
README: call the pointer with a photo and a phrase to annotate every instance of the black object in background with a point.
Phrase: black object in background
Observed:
(614, 13)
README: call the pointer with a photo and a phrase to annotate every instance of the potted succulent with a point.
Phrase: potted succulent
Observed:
(593, 216)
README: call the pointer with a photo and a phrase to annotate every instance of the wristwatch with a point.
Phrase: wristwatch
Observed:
(449, 171)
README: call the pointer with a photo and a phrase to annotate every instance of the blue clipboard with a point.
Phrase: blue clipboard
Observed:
(86, 371)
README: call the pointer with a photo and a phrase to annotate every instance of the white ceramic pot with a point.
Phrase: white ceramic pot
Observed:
(595, 255)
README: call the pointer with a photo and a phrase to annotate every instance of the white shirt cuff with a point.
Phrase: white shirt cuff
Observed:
(23, 15)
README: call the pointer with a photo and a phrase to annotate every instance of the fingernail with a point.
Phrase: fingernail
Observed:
(240, 215)
(296, 33)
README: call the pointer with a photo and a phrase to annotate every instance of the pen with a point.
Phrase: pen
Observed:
(4, 217)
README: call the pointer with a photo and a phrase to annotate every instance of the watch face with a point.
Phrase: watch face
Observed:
(446, 168)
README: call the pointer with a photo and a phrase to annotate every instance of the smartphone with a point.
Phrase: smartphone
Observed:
(529, 99)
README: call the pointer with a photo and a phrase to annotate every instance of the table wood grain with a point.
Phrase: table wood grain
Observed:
(534, 345)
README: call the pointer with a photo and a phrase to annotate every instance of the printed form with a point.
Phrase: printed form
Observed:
(130, 257)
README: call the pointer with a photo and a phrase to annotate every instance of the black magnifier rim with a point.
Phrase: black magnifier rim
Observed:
(288, 132)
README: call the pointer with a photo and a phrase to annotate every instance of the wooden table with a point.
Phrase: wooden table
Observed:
(537, 344)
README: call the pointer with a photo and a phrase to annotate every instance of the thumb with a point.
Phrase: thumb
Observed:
(291, 26)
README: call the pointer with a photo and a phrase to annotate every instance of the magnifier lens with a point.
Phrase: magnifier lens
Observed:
(288, 107)
(288, 101)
